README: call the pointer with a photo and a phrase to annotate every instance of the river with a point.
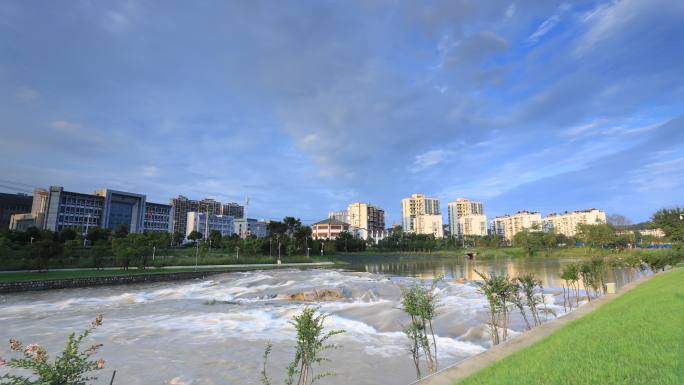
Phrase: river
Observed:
(171, 333)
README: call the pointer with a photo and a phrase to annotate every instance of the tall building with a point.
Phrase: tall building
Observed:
(328, 229)
(56, 209)
(182, 206)
(11, 204)
(200, 222)
(466, 217)
(566, 223)
(421, 215)
(368, 220)
(21, 222)
(507, 226)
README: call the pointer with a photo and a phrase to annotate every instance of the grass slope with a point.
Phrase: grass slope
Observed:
(635, 339)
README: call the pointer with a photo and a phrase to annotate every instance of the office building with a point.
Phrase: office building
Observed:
(566, 223)
(56, 209)
(122, 209)
(367, 220)
(11, 204)
(182, 206)
(328, 229)
(67, 209)
(466, 218)
(206, 223)
(245, 227)
(506, 226)
(421, 215)
(158, 217)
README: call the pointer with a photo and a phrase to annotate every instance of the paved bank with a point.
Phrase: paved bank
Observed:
(131, 277)
(472, 365)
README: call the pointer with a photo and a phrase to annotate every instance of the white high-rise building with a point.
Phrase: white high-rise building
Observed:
(368, 220)
(198, 221)
(466, 217)
(507, 226)
(421, 215)
(566, 223)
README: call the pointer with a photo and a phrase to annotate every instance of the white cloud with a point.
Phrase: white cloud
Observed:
(64, 126)
(547, 25)
(26, 94)
(510, 11)
(429, 159)
(605, 20)
(605, 127)
(666, 175)
(150, 171)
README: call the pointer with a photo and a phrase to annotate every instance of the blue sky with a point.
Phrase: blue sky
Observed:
(306, 106)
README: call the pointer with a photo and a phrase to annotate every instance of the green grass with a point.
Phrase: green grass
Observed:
(635, 339)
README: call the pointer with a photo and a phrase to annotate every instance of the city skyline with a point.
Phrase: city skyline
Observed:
(543, 107)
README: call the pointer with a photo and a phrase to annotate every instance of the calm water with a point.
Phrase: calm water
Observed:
(165, 333)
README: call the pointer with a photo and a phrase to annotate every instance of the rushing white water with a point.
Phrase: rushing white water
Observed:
(170, 333)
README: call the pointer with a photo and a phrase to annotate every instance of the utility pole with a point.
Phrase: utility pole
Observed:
(196, 253)
(237, 253)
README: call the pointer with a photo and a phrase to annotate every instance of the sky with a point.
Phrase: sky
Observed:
(305, 106)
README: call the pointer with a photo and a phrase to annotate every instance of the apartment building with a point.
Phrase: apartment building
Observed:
(339, 215)
(21, 222)
(466, 217)
(206, 223)
(421, 215)
(183, 205)
(367, 220)
(566, 223)
(328, 229)
(507, 226)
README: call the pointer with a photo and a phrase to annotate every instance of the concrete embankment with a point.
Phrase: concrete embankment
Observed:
(459, 371)
(65, 283)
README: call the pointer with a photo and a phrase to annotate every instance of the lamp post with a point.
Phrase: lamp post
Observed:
(196, 253)
(237, 253)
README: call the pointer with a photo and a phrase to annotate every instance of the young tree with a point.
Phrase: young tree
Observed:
(195, 235)
(312, 341)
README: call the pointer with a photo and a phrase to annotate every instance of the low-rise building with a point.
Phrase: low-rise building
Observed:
(158, 217)
(206, 223)
(21, 222)
(11, 204)
(566, 223)
(245, 227)
(506, 226)
(328, 229)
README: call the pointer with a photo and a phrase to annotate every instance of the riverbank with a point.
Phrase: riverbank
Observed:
(634, 337)
(65, 274)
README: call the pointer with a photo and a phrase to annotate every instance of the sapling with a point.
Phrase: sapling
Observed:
(312, 341)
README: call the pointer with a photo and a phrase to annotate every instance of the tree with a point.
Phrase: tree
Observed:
(67, 234)
(529, 241)
(550, 241)
(44, 250)
(598, 235)
(215, 237)
(671, 221)
(97, 234)
(618, 220)
(292, 224)
(97, 253)
(195, 235)
(121, 231)
(312, 341)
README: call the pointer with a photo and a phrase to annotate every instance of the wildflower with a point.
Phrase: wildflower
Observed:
(32, 348)
(15, 345)
(98, 321)
(100, 363)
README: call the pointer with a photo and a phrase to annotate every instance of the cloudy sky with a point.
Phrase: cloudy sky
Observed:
(306, 106)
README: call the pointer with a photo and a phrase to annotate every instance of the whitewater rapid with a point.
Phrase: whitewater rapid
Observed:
(214, 331)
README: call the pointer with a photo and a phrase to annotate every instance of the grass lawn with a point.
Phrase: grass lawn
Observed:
(635, 339)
